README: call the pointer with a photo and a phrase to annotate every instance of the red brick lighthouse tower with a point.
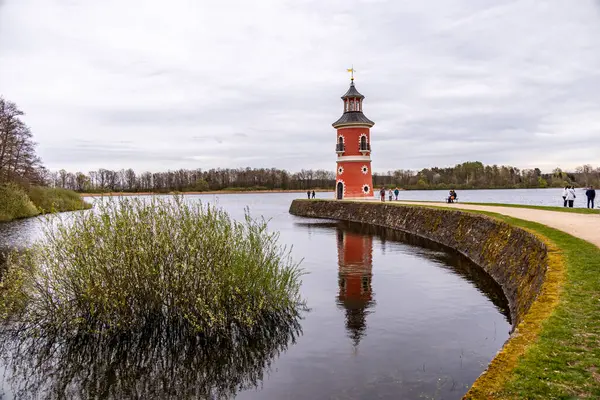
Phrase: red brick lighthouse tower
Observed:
(353, 173)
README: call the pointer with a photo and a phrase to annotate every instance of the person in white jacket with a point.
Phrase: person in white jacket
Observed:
(564, 196)
(571, 196)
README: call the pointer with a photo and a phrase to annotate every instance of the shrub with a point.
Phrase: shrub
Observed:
(56, 200)
(14, 203)
(133, 262)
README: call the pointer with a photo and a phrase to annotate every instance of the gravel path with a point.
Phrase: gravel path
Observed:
(584, 226)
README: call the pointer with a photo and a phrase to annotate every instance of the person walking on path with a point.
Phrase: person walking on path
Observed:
(390, 195)
(382, 194)
(564, 196)
(313, 194)
(308, 194)
(396, 192)
(571, 196)
(591, 195)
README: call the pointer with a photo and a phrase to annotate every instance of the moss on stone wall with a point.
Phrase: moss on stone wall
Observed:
(491, 383)
(515, 258)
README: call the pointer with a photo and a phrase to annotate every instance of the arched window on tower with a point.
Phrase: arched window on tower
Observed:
(364, 146)
(340, 145)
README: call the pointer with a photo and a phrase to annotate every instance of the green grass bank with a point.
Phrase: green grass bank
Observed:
(16, 202)
(562, 361)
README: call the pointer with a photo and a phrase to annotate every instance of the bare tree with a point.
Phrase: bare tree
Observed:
(18, 161)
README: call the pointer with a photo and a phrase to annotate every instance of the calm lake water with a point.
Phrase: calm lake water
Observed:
(390, 316)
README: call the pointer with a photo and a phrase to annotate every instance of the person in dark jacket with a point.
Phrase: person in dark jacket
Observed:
(591, 195)
(452, 196)
(308, 194)
(313, 194)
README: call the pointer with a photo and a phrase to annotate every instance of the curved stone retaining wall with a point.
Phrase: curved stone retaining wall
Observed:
(516, 259)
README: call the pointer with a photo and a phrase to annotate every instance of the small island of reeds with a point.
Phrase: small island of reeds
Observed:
(156, 271)
(131, 262)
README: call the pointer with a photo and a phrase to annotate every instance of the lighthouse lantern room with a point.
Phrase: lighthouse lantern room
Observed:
(353, 148)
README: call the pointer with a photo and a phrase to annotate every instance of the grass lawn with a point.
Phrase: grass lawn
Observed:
(564, 361)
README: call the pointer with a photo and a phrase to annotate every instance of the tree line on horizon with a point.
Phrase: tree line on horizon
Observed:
(20, 165)
(468, 175)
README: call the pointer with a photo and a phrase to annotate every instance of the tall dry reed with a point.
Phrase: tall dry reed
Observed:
(131, 262)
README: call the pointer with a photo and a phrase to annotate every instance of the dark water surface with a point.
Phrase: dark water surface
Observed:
(391, 317)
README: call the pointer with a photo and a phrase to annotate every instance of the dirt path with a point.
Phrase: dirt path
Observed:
(584, 226)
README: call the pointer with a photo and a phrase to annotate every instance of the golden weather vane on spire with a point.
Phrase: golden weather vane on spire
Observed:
(352, 71)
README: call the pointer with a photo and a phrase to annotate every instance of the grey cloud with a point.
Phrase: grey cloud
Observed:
(150, 86)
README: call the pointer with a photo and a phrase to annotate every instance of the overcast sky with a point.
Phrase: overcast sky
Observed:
(157, 85)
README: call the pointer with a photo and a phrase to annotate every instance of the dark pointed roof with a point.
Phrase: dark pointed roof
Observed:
(353, 117)
(352, 93)
(356, 317)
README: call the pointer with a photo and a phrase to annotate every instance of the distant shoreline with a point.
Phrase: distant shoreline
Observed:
(111, 194)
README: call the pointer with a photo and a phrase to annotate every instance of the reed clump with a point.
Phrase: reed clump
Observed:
(19, 202)
(14, 203)
(131, 263)
(48, 199)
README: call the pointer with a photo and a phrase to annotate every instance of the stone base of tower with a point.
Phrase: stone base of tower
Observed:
(371, 196)
(354, 179)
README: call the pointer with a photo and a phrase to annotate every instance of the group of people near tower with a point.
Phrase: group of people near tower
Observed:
(391, 194)
(569, 196)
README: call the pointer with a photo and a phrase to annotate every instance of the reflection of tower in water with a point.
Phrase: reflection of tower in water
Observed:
(355, 260)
